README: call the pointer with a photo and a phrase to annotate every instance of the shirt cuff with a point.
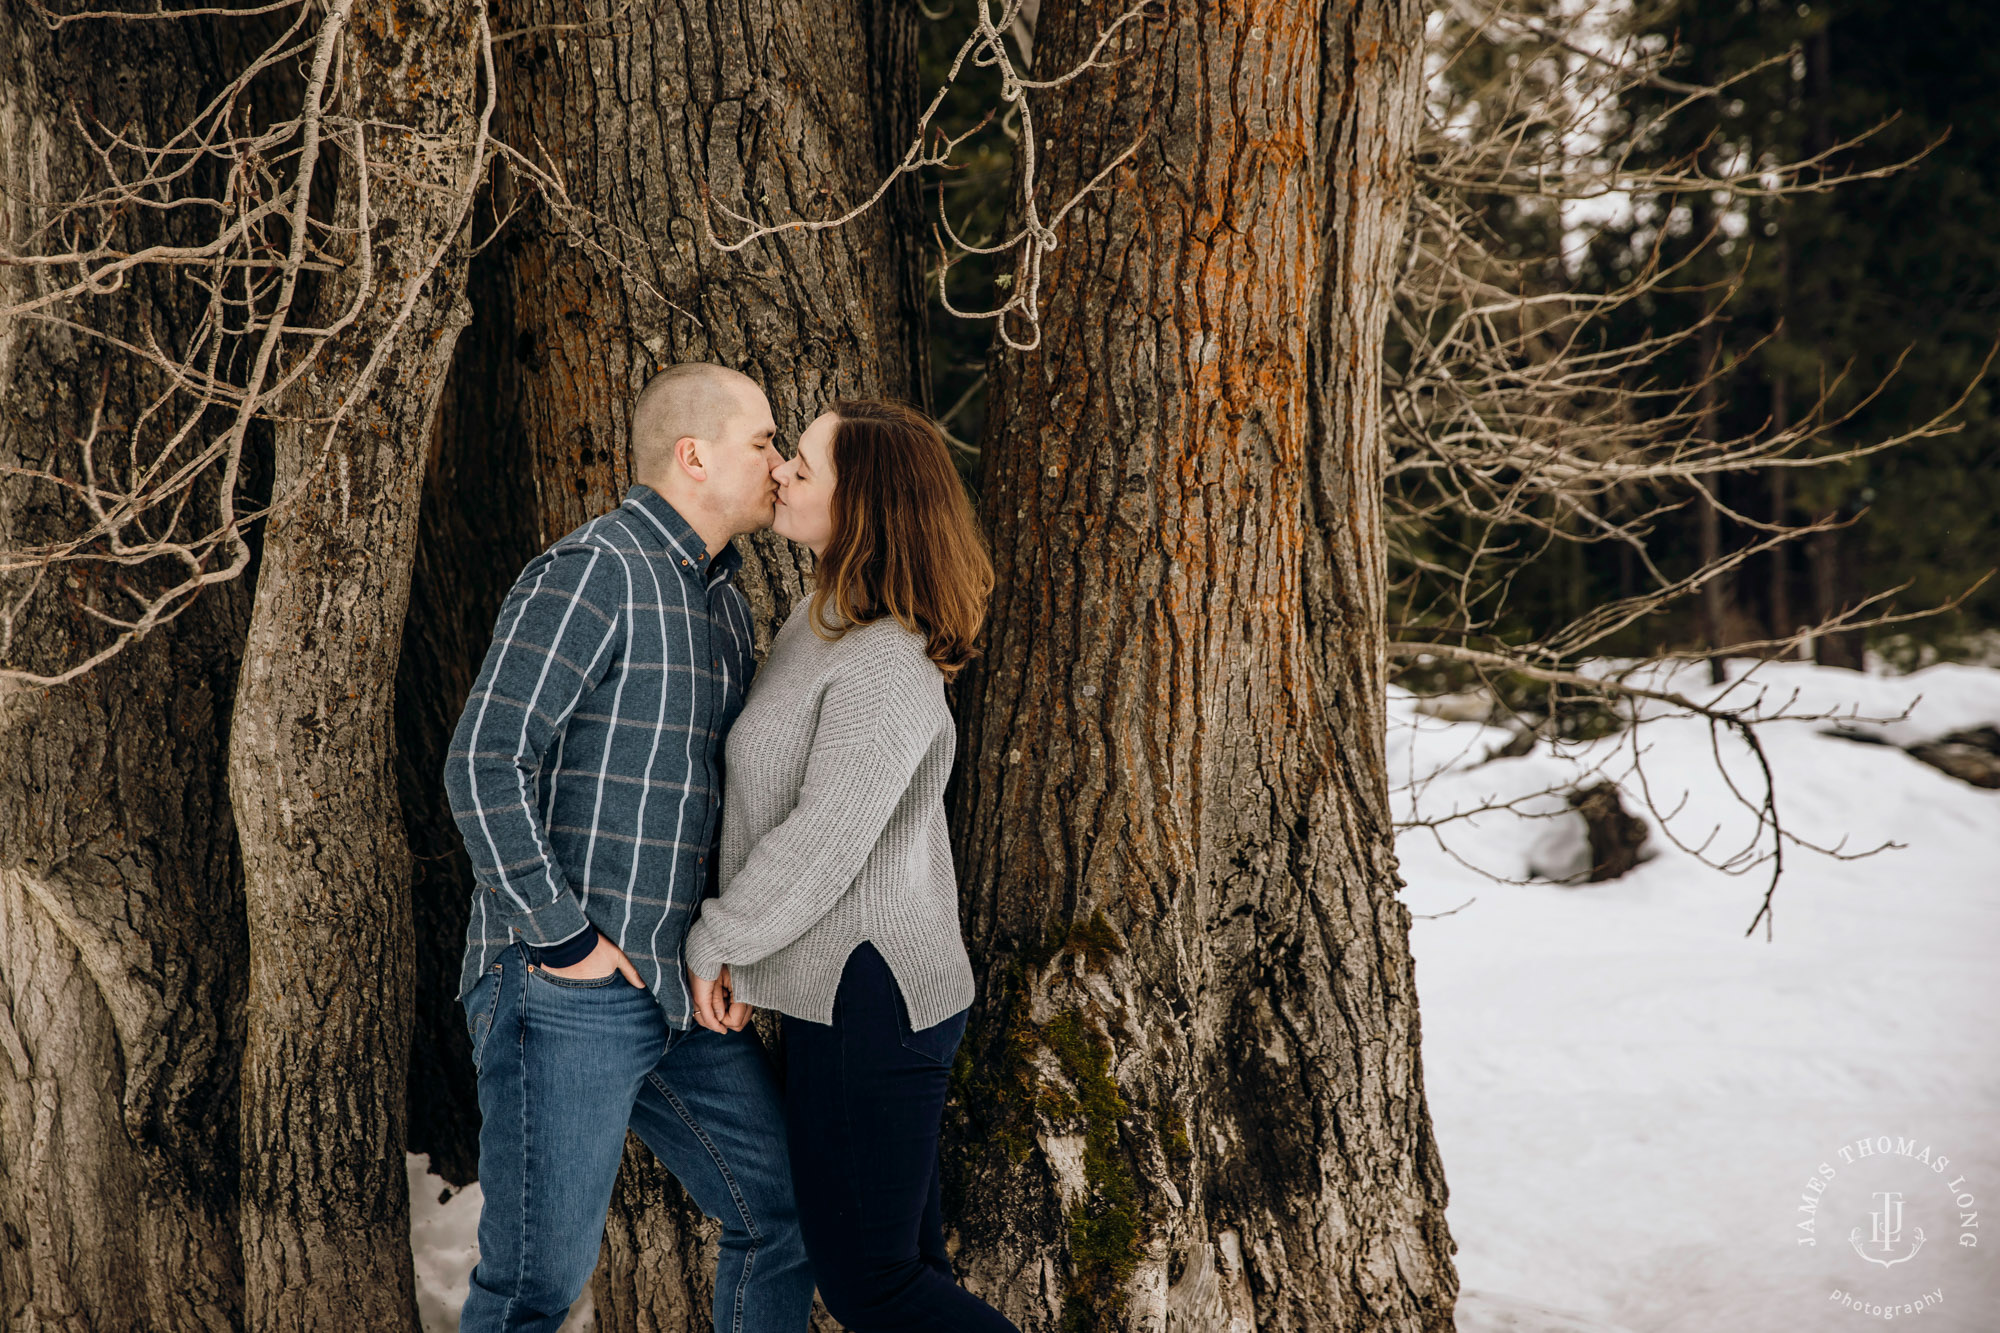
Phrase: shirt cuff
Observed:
(567, 954)
(551, 923)
(702, 952)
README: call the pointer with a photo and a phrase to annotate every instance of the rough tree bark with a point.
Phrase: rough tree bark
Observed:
(1191, 1096)
(325, 1206)
(782, 109)
(1398, 1271)
(121, 918)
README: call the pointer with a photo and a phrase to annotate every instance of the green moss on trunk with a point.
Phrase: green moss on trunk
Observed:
(1104, 1228)
(1012, 1102)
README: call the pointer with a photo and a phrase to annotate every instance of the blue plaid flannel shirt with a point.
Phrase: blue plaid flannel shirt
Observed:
(586, 771)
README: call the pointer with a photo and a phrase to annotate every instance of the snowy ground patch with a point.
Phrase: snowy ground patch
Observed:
(1631, 1098)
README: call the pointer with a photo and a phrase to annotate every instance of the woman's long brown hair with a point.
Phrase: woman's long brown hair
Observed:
(905, 542)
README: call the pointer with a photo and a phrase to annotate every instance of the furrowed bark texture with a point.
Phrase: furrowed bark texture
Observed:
(325, 1206)
(1191, 1096)
(1372, 63)
(781, 109)
(121, 919)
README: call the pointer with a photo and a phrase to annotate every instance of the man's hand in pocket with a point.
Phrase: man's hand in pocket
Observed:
(602, 961)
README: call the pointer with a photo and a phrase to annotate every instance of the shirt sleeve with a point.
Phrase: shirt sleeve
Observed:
(556, 637)
(872, 734)
(742, 661)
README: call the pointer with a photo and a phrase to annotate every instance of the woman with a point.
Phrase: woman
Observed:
(839, 907)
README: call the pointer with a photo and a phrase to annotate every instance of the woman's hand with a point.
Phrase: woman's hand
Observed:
(715, 1004)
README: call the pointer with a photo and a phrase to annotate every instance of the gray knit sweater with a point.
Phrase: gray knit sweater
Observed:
(833, 827)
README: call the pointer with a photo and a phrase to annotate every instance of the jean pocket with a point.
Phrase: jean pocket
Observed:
(482, 1002)
(937, 1043)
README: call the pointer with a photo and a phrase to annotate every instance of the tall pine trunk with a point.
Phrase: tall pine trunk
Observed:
(325, 1206)
(1830, 553)
(781, 109)
(1191, 1095)
(121, 917)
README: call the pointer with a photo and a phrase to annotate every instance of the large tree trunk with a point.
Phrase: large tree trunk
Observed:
(761, 105)
(1397, 1271)
(782, 109)
(1192, 1096)
(121, 920)
(325, 1206)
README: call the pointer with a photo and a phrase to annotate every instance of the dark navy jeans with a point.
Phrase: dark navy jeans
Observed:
(564, 1067)
(863, 1097)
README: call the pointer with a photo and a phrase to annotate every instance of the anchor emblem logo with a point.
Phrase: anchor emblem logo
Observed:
(1887, 1232)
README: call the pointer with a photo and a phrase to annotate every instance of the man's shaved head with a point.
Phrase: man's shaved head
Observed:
(704, 441)
(696, 399)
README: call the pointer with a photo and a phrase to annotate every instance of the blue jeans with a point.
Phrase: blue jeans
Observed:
(863, 1097)
(564, 1067)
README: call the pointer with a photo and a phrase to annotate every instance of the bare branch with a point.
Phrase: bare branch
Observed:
(985, 48)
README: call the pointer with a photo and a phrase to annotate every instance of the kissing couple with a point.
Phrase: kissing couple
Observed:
(632, 906)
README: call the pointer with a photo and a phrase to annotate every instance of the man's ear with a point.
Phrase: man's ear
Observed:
(687, 452)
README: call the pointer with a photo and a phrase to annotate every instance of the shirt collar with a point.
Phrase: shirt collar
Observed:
(682, 541)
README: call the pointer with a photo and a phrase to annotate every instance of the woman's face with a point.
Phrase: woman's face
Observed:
(805, 488)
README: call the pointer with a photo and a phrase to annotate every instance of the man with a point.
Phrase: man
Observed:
(585, 778)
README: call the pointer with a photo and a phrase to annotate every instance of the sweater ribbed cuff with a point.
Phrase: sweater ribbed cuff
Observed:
(702, 952)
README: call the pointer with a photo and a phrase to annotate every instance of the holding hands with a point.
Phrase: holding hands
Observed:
(715, 1004)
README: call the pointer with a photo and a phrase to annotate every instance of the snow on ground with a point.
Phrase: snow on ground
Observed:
(1630, 1096)
(444, 1232)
